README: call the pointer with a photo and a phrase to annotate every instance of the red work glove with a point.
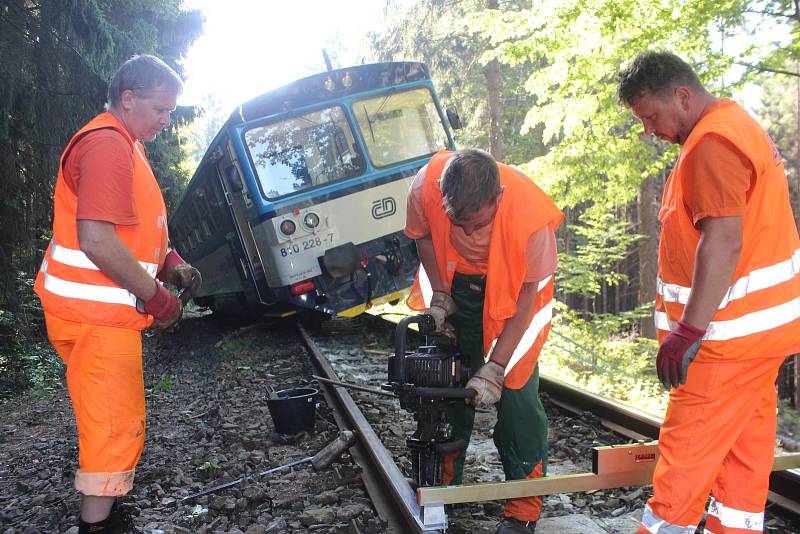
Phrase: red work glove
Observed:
(165, 308)
(179, 273)
(676, 353)
(172, 260)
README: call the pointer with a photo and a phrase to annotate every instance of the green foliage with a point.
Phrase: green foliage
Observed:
(27, 359)
(779, 112)
(600, 241)
(597, 159)
(165, 384)
(208, 467)
(788, 420)
(603, 357)
(439, 34)
(56, 60)
(201, 131)
(579, 46)
(778, 21)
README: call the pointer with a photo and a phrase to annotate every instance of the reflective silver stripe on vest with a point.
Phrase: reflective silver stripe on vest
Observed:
(754, 281)
(76, 258)
(733, 518)
(750, 323)
(75, 290)
(539, 321)
(656, 525)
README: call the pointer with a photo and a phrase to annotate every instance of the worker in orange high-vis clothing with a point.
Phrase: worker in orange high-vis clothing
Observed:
(727, 303)
(108, 252)
(485, 236)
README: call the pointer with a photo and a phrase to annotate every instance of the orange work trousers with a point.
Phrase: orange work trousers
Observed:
(105, 383)
(718, 437)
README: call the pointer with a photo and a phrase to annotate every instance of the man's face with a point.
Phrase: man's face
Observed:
(147, 112)
(478, 219)
(665, 116)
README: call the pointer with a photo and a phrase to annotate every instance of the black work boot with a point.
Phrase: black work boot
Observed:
(509, 525)
(119, 521)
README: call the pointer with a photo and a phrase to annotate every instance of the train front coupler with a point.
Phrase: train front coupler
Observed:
(427, 382)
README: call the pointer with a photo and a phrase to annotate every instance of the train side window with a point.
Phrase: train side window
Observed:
(192, 222)
(214, 206)
(303, 152)
(199, 212)
(400, 126)
(204, 211)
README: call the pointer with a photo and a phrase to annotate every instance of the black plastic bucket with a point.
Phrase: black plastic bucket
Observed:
(293, 410)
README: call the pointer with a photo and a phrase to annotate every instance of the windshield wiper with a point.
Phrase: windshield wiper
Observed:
(369, 123)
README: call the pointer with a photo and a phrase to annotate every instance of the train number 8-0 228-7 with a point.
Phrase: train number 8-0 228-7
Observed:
(306, 244)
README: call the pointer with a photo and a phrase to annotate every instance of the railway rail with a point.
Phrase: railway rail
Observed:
(784, 484)
(422, 511)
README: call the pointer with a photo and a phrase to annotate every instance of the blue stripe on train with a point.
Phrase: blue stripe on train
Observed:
(318, 196)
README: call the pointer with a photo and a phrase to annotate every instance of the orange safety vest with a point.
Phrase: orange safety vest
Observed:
(758, 316)
(69, 285)
(523, 209)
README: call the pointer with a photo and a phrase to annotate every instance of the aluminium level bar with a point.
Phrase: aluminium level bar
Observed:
(614, 467)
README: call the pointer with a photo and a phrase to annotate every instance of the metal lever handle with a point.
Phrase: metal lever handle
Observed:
(446, 393)
(426, 326)
(321, 460)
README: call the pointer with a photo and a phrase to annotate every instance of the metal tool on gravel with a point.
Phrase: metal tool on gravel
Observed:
(354, 386)
(321, 460)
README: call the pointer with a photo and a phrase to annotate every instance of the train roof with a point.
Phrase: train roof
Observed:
(328, 85)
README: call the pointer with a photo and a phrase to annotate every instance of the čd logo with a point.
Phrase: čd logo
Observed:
(384, 207)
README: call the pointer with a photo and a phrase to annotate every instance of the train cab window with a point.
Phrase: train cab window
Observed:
(303, 152)
(400, 126)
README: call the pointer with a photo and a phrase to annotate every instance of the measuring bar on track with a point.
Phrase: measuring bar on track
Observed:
(613, 467)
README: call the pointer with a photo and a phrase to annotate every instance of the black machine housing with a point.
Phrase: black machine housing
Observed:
(426, 382)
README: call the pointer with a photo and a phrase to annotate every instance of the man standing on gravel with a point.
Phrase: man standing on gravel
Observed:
(727, 303)
(108, 253)
(485, 236)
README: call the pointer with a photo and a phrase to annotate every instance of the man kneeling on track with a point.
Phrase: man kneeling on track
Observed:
(109, 250)
(727, 299)
(485, 236)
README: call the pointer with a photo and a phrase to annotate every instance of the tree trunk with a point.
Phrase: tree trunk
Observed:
(493, 100)
(796, 398)
(648, 249)
(794, 174)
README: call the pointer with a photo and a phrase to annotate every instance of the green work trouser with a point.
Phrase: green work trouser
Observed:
(520, 434)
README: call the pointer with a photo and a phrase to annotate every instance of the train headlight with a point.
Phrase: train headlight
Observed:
(329, 84)
(311, 220)
(347, 81)
(288, 227)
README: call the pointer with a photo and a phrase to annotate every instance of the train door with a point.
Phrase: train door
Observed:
(233, 186)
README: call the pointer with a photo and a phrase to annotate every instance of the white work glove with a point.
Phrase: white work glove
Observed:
(442, 306)
(487, 383)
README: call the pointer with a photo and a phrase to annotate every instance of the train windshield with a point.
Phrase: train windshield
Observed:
(304, 152)
(400, 126)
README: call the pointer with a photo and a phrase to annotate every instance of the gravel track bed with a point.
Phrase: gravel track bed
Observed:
(208, 423)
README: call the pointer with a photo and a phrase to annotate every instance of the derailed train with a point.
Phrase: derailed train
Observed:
(299, 201)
